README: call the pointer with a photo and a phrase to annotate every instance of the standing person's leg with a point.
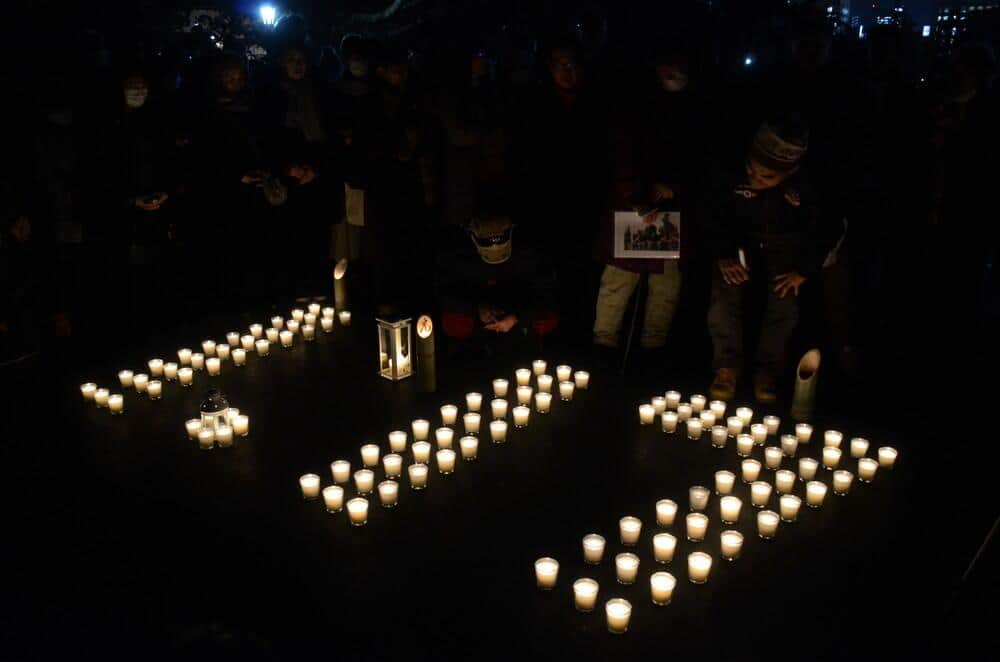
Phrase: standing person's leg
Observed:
(725, 325)
(780, 317)
(661, 304)
(616, 288)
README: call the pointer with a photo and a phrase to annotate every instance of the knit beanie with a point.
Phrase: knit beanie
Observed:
(780, 143)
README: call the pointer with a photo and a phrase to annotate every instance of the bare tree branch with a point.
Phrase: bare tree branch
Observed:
(379, 16)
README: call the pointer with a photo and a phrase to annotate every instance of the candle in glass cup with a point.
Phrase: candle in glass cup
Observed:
(125, 378)
(697, 525)
(206, 439)
(673, 399)
(543, 402)
(193, 427)
(170, 371)
(241, 425)
(539, 366)
(784, 481)
(233, 338)
(745, 414)
(699, 567)
(585, 594)
(185, 376)
(341, 470)
(804, 432)
(470, 448)
(445, 460)
(729, 508)
(724, 482)
(286, 338)
(626, 568)
(308, 332)
(313, 308)
(327, 324)
(421, 452)
(593, 548)
(213, 366)
(842, 482)
(292, 326)
(271, 334)
(277, 322)
(498, 431)
(563, 373)
(707, 419)
(154, 389)
(789, 505)
(859, 447)
(309, 319)
(256, 330)
(247, 343)
(500, 387)
(388, 493)
(807, 468)
(698, 497)
(309, 483)
(444, 437)
(720, 436)
(734, 424)
(184, 356)
(140, 382)
(357, 511)
(116, 403)
(393, 465)
(546, 573)
(666, 511)
(581, 378)
(544, 383)
(566, 390)
(772, 423)
(397, 441)
(717, 407)
(208, 347)
(760, 493)
(731, 543)
(449, 414)
(887, 457)
(767, 524)
(328, 312)
(364, 481)
(789, 445)
(815, 493)
(333, 498)
(683, 411)
(523, 376)
(759, 433)
(629, 528)
(524, 395)
(345, 317)
(87, 390)
(694, 428)
(521, 414)
(697, 403)
(751, 470)
(471, 421)
(224, 436)
(499, 408)
(370, 455)
(473, 401)
(772, 457)
(866, 469)
(263, 347)
(659, 405)
(664, 546)
(222, 351)
(668, 421)
(833, 438)
(418, 475)
(744, 445)
(198, 361)
(421, 428)
(618, 611)
(831, 457)
(298, 314)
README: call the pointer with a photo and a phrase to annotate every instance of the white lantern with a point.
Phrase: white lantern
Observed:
(394, 349)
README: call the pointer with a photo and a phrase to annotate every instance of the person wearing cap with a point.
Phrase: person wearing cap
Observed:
(767, 238)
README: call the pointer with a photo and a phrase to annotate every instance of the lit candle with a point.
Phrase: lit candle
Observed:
(698, 403)
(789, 505)
(545, 383)
(628, 530)
(370, 455)
(185, 376)
(357, 511)
(241, 425)
(767, 524)
(668, 421)
(659, 404)
(256, 331)
(341, 470)
(566, 390)
(831, 457)
(719, 436)
(807, 468)
(421, 428)
(233, 339)
(543, 402)
(418, 475)
(717, 407)
(333, 498)
(789, 445)
(170, 371)
(444, 437)
(683, 412)
(735, 425)
(140, 381)
(546, 573)
(247, 342)
(272, 334)
(585, 594)
(694, 428)
(751, 470)
(664, 545)
(593, 548)
(707, 419)
(699, 565)
(193, 427)
(474, 401)
(184, 356)
(298, 314)
(125, 378)
(500, 387)
(327, 324)
(582, 379)
(842, 482)
(393, 465)
(697, 525)
(263, 347)
(292, 326)
(328, 312)
(154, 389)
(729, 508)
(784, 481)
(88, 390)
(760, 493)
(388, 493)
(804, 432)
(310, 486)
(397, 441)
(421, 452)
(198, 361)
(539, 366)
(345, 317)
(277, 322)
(618, 611)
(626, 568)
(666, 511)
(286, 338)
(208, 347)
(745, 414)
(499, 408)
(213, 366)
(309, 319)
(759, 433)
(222, 351)
(116, 403)
(449, 414)
(859, 447)
(206, 439)
(523, 376)
(498, 431)
(833, 438)
(224, 436)
(815, 493)
(521, 414)
(471, 421)
(446, 460)
(731, 543)
(524, 395)
(887, 457)
(866, 469)
(364, 481)
(308, 332)
(724, 482)
(313, 308)
(698, 497)
(673, 399)
(470, 448)
(232, 413)
(772, 457)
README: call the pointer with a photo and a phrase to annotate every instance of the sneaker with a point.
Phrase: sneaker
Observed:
(724, 385)
(764, 388)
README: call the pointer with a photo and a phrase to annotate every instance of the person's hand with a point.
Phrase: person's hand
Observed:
(788, 282)
(488, 314)
(662, 192)
(733, 272)
(503, 325)
(21, 229)
(254, 177)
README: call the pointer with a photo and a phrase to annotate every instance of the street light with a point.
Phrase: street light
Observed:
(268, 14)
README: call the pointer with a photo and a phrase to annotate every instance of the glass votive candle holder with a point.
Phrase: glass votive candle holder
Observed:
(788, 507)
(445, 437)
(887, 457)
(388, 493)
(673, 399)
(522, 376)
(668, 421)
(683, 412)
(256, 331)
(208, 347)
(815, 493)
(309, 484)
(233, 339)
(707, 419)
(328, 312)
(449, 414)
(745, 414)
(125, 378)
(184, 356)
(751, 470)
(198, 361)
(698, 403)
(277, 322)
(154, 389)
(698, 498)
(239, 357)
(646, 414)
(807, 468)
(717, 407)
(724, 482)
(87, 390)
(473, 401)
(498, 407)
(524, 395)
(760, 493)
(272, 335)
(193, 427)
(472, 421)
(357, 511)
(582, 379)
(697, 526)
(618, 611)
(629, 528)
(421, 452)
(539, 366)
(246, 342)
(546, 573)
(392, 464)
(469, 446)
(842, 480)
(719, 436)
(664, 546)
(789, 445)
(369, 455)
(224, 436)
(694, 428)
(213, 366)
(767, 524)
(626, 568)
(593, 548)
(859, 447)
(729, 509)
(287, 338)
(500, 387)
(309, 331)
(772, 423)
(521, 414)
(140, 382)
(661, 588)
(397, 441)
(418, 475)
(759, 433)
(333, 498)
(185, 376)
(659, 404)
(314, 309)
(544, 383)
(804, 432)
(734, 425)
(298, 314)
(772, 457)
(445, 460)
(498, 431)
(666, 511)
(364, 481)
(585, 594)
(833, 438)
(566, 390)
(116, 403)
(241, 425)
(341, 471)
(206, 439)
(564, 373)
(263, 347)
(170, 370)
(699, 567)
(731, 543)
(784, 481)
(831, 457)
(744, 445)
(327, 324)
(543, 402)
(420, 428)
(866, 469)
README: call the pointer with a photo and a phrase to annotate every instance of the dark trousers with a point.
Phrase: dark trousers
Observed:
(725, 323)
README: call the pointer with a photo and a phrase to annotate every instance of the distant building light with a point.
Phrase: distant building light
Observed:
(748, 61)
(926, 31)
(268, 14)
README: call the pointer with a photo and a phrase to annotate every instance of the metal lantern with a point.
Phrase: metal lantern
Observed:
(214, 410)
(394, 349)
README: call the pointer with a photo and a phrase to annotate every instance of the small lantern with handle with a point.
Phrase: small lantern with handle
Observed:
(395, 344)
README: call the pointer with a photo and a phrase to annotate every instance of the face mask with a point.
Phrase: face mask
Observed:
(358, 68)
(135, 98)
(675, 83)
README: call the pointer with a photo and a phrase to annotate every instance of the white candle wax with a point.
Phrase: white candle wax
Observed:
(720, 436)
(694, 428)
(498, 407)
(831, 457)
(524, 395)
(272, 335)
(421, 452)
(277, 322)
(664, 546)
(698, 497)
(673, 399)
(659, 404)
(759, 433)
(206, 439)
(101, 397)
(626, 568)
(474, 401)
(668, 421)
(298, 314)
(697, 525)
(745, 414)
(866, 469)
(421, 428)
(887, 457)
(751, 470)
(539, 366)
(364, 481)
(446, 460)
(222, 351)
(546, 573)
(760, 493)
(263, 347)
(521, 415)
(418, 475)
(116, 403)
(397, 441)
(784, 481)
(842, 482)
(286, 338)
(469, 447)
(247, 342)
(345, 317)
(566, 390)
(564, 373)
(241, 425)
(859, 447)
(193, 427)
(87, 390)
(313, 308)
(125, 378)
(388, 493)
(498, 431)
(449, 414)
(208, 347)
(731, 543)
(833, 438)
(717, 407)
(545, 383)
(789, 505)
(683, 412)
(629, 528)
(184, 356)
(310, 486)
(735, 425)
(582, 379)
(789, 445)
(154, 389)
(393, 465)
(328, 312)
(698, 403)
(140, 382)
(707, 419)
(308, 332)
(767, 524)
(646, 414)
(213, 366)
(444, 437)
(233, 339)
(618, 611)
(729, 508)
(699, 566)
(309, 319)
(357, 511)
(724, 482)
(224, 436)
(543, 402)
(239, 357)
(593, 548)
(198, 361)
(500, 387)
(804, 432)
(815, 493)
(585, 594)
(333, 498)
(807, 468)
(232, 413)
(523, 376)
(341, 471)
(369, 455)
(772, 423)
(666, 511)
(256, 331)
(772, 457)
(471, 421)
(327, 324)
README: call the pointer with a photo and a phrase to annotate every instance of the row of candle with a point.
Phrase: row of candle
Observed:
(237, 425)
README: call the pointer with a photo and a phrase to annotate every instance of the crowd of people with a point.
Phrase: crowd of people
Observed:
(489, 196)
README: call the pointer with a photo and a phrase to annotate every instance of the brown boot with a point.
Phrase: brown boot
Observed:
(764, 388)
(724, 385)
